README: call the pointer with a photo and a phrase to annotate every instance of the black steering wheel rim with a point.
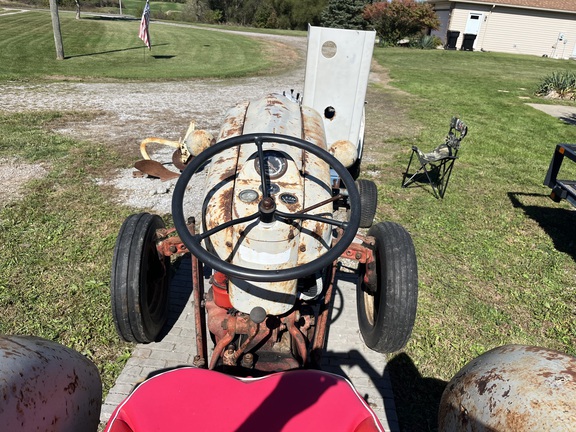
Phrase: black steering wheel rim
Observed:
(194, 242)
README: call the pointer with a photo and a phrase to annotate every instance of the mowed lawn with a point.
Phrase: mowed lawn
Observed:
(109, 47)
(497, 257)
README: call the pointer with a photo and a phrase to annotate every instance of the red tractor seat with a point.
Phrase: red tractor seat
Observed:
(192, 399)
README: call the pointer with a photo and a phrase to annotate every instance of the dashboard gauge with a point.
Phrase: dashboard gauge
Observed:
(248, 195)
(273, 188)
(288, 198)
(274, 162)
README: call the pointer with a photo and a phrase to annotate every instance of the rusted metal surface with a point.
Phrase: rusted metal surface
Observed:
(155, 169)
(512, 388)
(275, 245)
(171, 246)
(322, 322)
(46, 386)
(199, 307)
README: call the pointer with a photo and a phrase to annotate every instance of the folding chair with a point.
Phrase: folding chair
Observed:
(436, 167)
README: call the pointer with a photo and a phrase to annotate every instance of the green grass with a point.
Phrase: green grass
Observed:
(496, 255)
(97, 48)
(56, 243)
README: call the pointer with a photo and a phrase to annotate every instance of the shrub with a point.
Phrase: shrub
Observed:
(400, 19)
(425, 41)
(559, 84)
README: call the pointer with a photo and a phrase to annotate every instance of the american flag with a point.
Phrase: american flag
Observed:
(144, 32)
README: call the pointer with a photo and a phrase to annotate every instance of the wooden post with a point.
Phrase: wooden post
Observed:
(56, 29)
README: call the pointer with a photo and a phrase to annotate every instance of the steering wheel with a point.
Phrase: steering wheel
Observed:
(267, 211)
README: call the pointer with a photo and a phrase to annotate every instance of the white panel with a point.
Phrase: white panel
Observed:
(339, 80)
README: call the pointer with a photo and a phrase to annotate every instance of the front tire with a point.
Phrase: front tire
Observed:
(387, 305)
(140, 280)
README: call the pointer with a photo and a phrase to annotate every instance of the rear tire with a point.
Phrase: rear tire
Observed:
(368, 202)
(140, 280)
(387, 308)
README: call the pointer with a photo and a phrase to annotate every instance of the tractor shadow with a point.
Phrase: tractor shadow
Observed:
(558, 223)
(180, 291)
(410, 401)
(417, 398)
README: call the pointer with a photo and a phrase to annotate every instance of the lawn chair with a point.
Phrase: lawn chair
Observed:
(435, 167)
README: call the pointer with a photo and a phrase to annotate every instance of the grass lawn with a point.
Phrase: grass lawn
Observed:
(100, 47)
(496, 255)
(497, 258)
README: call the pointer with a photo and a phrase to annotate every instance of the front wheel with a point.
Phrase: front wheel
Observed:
(387, 304)
(140, 280)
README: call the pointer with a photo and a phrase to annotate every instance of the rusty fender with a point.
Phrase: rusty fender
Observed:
(46, 386)
(512, 388)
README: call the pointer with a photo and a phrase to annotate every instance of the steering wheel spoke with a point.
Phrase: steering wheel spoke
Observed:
(317, 218)
(225, 225)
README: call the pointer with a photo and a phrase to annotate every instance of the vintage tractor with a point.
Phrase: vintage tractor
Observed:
(280, 208)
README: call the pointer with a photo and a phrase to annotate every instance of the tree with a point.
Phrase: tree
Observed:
(56, 30)
(400, 19)
(346, 14)
(77, 9)
(304, 12)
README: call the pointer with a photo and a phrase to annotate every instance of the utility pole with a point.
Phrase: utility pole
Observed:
(56, 29)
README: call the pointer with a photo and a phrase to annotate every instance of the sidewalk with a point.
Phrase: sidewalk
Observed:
(345, 355)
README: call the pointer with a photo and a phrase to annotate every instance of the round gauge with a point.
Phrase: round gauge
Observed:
(274, 162)
(288, 198)
(273, 188)
(248, 195)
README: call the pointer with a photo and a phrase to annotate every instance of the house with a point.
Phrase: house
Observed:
(536, 27)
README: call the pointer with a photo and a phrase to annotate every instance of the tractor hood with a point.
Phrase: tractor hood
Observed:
(297, 180)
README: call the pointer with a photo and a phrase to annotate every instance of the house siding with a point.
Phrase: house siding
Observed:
(511, 30)
(530, 32)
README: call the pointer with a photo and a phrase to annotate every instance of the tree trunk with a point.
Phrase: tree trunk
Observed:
(56, 29)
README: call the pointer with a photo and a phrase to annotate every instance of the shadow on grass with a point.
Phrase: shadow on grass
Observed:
(416, 398)
(571, 119)
(142, 47)
(558, 223)
(110, 18)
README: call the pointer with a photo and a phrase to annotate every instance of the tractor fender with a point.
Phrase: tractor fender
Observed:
(512, 387)
(47, 386)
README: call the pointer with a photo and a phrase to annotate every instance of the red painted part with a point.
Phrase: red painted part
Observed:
(191, 399)
(171, 246)
(359, 252)
(219, 284)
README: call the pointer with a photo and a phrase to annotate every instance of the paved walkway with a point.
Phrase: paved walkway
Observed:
(345, 355)
(563, 112)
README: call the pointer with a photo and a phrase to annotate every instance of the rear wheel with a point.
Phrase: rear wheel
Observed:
(140, 280)
(368, 202)
(387, 304)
